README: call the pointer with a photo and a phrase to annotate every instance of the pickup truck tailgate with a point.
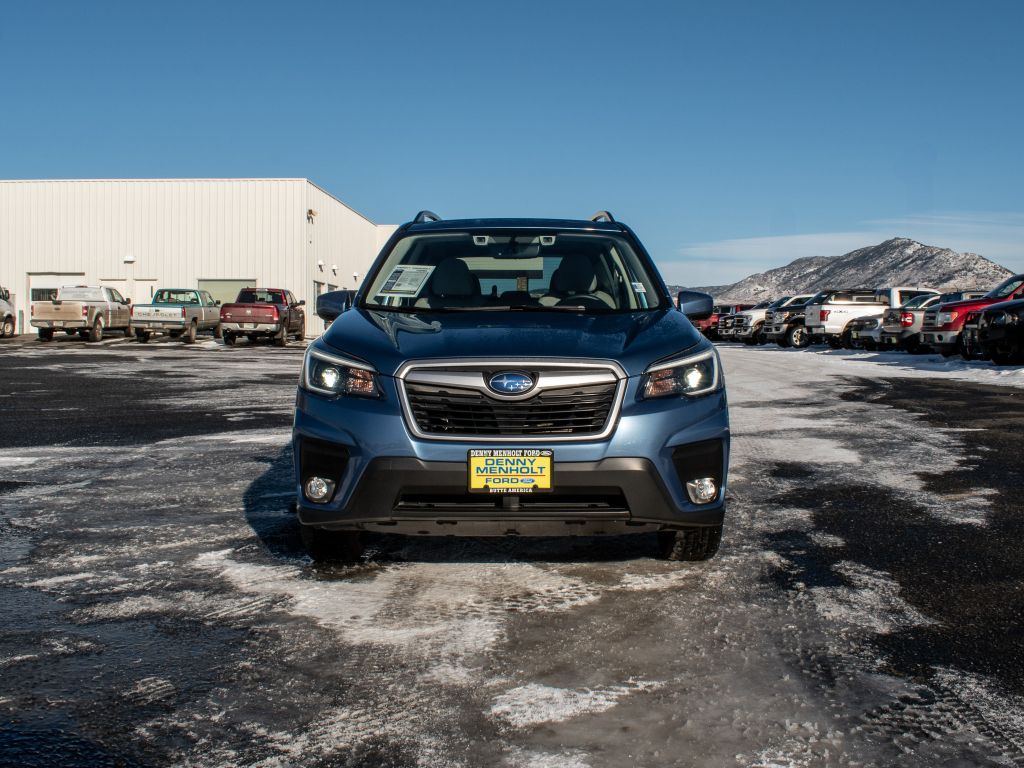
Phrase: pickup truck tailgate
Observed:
(158, 312)
(57, 310)
(249, 313)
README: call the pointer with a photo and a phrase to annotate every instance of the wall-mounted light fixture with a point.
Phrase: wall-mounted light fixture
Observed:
(334, 268)
(129, 258)
(320, 264)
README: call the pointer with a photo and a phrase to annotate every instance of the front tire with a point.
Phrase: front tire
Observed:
(129, 332)
(797, 337)
(217, 332)
(690, 544)
(332, 546)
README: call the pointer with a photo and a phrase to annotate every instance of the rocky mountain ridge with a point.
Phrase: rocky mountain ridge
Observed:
(899, 261)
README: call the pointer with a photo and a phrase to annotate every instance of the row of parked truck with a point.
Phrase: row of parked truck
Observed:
(974, 324)
(91, 312)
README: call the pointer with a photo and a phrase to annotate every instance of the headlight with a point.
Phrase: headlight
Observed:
(328, 374)
(689, 376)
(945, 318)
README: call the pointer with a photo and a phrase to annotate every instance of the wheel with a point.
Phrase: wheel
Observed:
(964, 350)
(217, 332)
(690, 544)
(798, 337)
(7, 327)
(912, 345)
(869, 345)
(141, 335)
(129, 331)
(281, 338)
(332, 546)
(96, 332)
(302, 332)
(189, 337)
(46, 334)
(229, 338)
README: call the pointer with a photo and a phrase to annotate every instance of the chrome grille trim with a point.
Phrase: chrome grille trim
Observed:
(554, 374)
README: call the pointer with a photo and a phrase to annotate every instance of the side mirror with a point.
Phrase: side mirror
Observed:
(127, 302)
(331, 304)
(216, 302)
(300, 303)
(696, 305)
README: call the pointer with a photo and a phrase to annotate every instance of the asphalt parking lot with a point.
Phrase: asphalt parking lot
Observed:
(156, 606)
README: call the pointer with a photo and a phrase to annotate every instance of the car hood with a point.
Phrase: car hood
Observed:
(965, 304)
(1012, 305)
(387, 340)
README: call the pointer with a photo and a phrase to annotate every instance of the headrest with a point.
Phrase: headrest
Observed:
(452, 278)
(575, 275)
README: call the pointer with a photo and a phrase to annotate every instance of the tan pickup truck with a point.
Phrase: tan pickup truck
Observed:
(86, 310)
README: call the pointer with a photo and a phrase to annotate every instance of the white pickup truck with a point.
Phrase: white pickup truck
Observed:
(827, 319)
(178, 312)
(86, 310)
(749, 326)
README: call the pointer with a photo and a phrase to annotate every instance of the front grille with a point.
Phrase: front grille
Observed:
(448, 410)
(740, 322)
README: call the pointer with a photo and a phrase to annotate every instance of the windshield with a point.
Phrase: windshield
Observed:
(581, 272)
(779, 302)
(920, 301)
(1005, 289)
(165, 296)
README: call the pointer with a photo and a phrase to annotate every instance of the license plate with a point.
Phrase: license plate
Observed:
(58, 323)
(510, 470)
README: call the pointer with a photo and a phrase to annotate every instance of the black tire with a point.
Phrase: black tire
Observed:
(229, 338)
(7, 327)
(281, 338)
(96, 332)
(174, 334)
(46, 334)
(301, 334)
(963, 350)
(141, 335)
(217, 332)
(690, 544)
(797, 337)
(189, 336)
(332, 546)
(129, 331)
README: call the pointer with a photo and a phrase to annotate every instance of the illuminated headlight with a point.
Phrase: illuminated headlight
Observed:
(328, 374)
(945, 318)
(689, 376)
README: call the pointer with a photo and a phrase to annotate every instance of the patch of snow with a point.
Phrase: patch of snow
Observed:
(532, 704)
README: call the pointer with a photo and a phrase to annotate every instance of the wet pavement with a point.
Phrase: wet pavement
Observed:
(156, 606)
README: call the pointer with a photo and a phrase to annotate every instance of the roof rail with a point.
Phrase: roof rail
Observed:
(602, 215)
(423, 216)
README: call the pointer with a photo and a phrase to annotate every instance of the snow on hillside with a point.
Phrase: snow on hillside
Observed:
(899, 261)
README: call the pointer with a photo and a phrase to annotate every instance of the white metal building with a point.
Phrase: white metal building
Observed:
(138, 235)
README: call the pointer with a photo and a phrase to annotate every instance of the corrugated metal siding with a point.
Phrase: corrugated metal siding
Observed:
(179, 231)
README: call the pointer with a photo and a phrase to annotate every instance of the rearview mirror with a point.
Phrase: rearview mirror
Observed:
(331, 304)
(695, 305)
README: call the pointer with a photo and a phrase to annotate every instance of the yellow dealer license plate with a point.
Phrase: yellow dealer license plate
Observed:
(510, 470)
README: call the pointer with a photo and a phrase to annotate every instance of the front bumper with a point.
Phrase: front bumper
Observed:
(634, 479)
(940, 339)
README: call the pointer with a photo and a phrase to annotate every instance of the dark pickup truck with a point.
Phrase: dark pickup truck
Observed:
(271, 313)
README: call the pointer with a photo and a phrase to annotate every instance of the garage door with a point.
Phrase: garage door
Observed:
(225, 291)
(43, 287)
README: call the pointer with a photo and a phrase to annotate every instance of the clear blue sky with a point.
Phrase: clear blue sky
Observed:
(733, 136)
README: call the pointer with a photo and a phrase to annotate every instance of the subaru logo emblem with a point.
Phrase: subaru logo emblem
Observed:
(510, 383)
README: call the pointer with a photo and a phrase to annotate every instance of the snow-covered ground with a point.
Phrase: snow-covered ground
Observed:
(155, 603)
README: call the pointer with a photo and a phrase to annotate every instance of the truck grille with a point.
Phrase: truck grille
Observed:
(567, 403)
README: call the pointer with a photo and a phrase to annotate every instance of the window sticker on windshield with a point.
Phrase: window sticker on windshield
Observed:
(639, 288)
(406, 280)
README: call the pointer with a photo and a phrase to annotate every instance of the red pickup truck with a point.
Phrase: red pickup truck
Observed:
(943, 324)
(709, 325)
(264, 313)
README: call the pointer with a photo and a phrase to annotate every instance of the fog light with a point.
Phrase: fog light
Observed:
(318, 489)
(702, 490)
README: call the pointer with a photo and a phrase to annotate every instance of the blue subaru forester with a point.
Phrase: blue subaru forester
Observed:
(498, 377)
